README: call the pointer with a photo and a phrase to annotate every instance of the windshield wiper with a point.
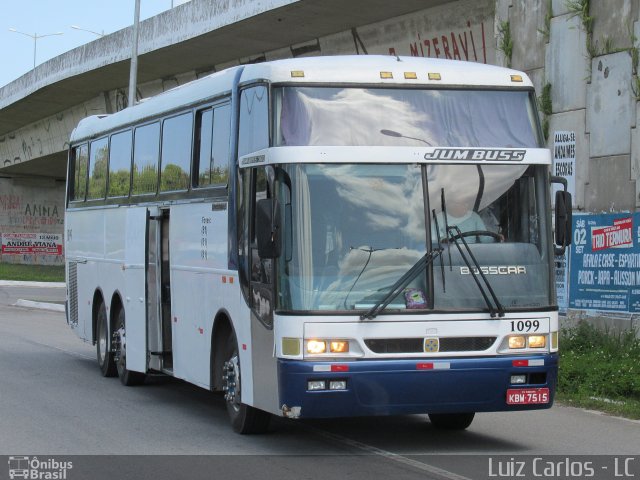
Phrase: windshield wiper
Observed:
(454, 237)
(401, 283)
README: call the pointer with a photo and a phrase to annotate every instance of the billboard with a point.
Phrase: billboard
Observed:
(605, 263)
(31, 244)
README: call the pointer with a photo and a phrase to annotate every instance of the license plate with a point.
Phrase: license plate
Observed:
(527, 396)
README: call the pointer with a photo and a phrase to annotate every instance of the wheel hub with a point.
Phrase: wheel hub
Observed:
(231, 380)
(118, 342)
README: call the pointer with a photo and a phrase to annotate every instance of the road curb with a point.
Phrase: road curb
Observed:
(54, 307)
(16, 283)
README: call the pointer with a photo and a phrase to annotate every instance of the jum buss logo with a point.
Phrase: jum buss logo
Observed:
(482, 154)
(35, 469)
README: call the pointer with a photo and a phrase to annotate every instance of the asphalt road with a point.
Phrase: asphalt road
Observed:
(54, 402)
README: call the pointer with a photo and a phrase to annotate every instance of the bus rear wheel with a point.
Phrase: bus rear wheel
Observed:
(244, 419)
(103, 345)
(127, 377)
(451, 421)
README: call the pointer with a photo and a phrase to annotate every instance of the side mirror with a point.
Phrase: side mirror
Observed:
(268, 228)
(563, 213)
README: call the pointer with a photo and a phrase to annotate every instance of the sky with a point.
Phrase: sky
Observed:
(43, 17)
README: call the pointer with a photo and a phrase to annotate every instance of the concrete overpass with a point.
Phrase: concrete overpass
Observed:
(39, 110)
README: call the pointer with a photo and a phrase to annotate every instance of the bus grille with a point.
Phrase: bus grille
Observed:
(416, 345)
(72, 288)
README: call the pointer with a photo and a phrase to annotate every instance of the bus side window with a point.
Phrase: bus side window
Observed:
(176, 153)
(254, 120)
(80, 160)
(213, 134)
(120, 164)
(98, 158)
(145, 159)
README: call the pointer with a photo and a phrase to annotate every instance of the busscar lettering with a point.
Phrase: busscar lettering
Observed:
(496, 270)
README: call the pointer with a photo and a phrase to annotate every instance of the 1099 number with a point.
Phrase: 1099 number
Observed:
(525, 325)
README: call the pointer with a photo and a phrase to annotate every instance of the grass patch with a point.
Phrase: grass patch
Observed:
(34, 273)
(600, 370)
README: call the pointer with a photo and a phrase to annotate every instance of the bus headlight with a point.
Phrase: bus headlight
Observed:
(339, 346)
(315, 347)
(537, 341)
(319, 347)
(517, 341)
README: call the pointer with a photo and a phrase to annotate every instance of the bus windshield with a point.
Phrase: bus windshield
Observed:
(356, 229)
(325, 116)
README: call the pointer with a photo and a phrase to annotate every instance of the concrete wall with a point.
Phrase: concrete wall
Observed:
(46, 137)
(31, 206)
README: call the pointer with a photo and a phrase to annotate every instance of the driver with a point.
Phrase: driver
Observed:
(460, 215)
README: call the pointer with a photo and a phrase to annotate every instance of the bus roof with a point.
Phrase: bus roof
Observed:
(376, 70)
(385, 70)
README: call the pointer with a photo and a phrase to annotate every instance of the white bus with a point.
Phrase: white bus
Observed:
(323, 237)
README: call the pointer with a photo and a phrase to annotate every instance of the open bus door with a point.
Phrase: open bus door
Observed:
(158, 291)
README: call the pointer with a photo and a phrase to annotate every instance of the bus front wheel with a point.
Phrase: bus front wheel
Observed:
(103, 345)
(244, 419)
(127, 377)
(451, 421)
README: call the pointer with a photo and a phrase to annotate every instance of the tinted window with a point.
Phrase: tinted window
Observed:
(120, 164)
(254, 120)
(81, 158)
(99, 156)
(213, 146)
(145, 159)
(405, 117)
(176, 153)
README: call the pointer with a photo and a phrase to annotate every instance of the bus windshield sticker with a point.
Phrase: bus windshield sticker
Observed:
(483, 154)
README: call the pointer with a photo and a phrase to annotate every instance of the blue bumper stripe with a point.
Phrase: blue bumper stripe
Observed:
(394, 387)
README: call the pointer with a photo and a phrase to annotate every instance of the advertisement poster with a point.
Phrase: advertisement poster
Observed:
(605, 263)
(564, 161)
(562, 286)
(31, 244)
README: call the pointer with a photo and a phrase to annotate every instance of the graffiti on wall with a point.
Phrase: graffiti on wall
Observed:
(31, 223)
(469, 44)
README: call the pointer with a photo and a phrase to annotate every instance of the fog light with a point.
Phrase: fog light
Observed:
(316, 385)
(517, 342)
(338, 385)
(518, 379)
(537, 341)
(339, 346)
(316, 346)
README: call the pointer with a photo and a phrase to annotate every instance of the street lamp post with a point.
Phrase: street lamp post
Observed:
(76, 27)
(35, 38)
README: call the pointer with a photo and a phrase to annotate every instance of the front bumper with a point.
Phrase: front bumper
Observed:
(410, 386)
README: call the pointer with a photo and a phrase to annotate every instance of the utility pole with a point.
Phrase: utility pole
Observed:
(133, 73)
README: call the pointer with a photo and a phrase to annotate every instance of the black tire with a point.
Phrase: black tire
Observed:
(103, 344)
(451, 421)
(127, 377)
(244, 419)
